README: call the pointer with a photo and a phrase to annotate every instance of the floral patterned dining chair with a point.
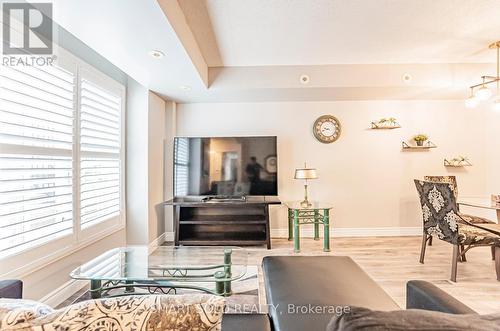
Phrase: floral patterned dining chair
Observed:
(442, 219)
(452, 181)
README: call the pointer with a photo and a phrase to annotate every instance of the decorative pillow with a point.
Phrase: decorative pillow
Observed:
(201, 312)
(411, 319)
(21, 312)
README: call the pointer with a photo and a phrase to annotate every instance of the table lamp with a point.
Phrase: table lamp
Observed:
(305, 173)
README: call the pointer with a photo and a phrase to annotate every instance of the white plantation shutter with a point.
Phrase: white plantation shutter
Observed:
(181, 166)
(36, 141)
(61, 161)
(100, 152)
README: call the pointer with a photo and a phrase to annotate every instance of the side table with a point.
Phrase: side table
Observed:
(316, 214)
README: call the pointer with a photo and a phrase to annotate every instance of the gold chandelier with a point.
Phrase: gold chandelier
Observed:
(481, 92)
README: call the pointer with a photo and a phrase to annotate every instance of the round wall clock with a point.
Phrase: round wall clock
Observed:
(327, 129)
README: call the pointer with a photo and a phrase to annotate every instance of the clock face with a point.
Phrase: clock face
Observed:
(327, 129)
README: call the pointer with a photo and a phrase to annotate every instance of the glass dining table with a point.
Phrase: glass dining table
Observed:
(484, 203)
(481, 202)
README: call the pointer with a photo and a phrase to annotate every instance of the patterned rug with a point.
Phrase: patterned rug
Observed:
(245, 297)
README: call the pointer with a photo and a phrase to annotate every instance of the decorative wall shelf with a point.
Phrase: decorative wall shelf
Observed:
(457, 163)
(380, 126)
(427, 145)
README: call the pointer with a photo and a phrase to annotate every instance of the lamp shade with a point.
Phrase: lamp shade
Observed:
(306, 173)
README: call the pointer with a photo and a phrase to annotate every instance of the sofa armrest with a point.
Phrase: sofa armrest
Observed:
(11, 289)
(246, 322)
(424, 295)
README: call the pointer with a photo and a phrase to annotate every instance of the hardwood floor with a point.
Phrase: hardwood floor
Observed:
(392, 261)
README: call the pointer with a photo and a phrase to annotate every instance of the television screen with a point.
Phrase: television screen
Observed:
(225, 166)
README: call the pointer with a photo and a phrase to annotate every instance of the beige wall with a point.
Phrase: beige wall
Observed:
(170, 132)
(364, 174)
(156, 139)
(150, 130)
(137, 163)
(45, 280)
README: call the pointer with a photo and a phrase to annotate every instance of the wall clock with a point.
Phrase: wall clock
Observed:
(271, 164)
(327, 129)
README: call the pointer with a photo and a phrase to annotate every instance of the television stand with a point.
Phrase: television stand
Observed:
(222, 222)
(225, 198)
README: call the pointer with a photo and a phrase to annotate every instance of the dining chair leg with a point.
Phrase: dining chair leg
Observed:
(430, 240)
(493, 253)
(462, 254)
(497, 261)
(422, 249)
(454, 262)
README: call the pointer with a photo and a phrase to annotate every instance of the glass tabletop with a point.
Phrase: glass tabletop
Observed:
(314, 205)
(479, 202)
(165, 263)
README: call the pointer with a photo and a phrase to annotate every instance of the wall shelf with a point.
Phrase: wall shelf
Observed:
(428, 145)
(379, 126)
(457, 164)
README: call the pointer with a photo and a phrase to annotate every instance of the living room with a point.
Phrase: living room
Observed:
(282, 164)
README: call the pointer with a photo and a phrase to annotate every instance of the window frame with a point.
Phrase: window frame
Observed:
(17, 265)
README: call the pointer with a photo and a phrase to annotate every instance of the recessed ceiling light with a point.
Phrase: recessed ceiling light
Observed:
(156, 54)
(406, 78)
(185, 87)
(304, 79)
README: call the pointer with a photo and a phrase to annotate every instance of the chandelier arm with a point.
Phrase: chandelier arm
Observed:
(496, 80)
(498, 66)
(486, 80)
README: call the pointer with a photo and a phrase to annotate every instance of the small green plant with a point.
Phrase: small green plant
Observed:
(420, 138)
(392, 120)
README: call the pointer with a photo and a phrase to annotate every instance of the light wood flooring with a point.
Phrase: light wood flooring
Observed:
(392, 261)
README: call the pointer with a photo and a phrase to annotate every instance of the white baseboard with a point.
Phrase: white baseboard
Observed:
(169, 236)
(165, 236)
(63, 292)
(353, 232)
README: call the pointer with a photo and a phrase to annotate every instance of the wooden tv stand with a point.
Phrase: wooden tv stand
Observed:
(232, 223)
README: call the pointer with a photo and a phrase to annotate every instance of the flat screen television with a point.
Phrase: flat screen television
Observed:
(225, 166)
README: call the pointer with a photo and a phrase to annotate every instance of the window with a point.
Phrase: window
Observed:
(60, 154)
(100, 144)
(181, 166)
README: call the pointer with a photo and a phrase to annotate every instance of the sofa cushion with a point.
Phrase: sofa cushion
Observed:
(21, 312)
(245, 322)
(412, 319)
(149, 312)
(304, 292)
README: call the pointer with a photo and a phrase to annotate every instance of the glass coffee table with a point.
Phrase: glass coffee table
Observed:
(165, 269)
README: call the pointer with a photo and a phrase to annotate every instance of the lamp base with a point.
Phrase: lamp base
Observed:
(305, 204)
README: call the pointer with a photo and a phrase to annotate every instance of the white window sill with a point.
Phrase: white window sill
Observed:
(46, 260)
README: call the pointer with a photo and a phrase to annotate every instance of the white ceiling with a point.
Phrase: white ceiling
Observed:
(316, 32)
(258, 38)
(124, 31)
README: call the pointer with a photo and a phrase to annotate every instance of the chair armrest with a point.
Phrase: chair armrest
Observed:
(11, 289)
(424, 295)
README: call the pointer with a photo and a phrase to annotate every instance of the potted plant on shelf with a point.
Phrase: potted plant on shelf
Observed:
(420, 139)
(392, 121)
(385, 123)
